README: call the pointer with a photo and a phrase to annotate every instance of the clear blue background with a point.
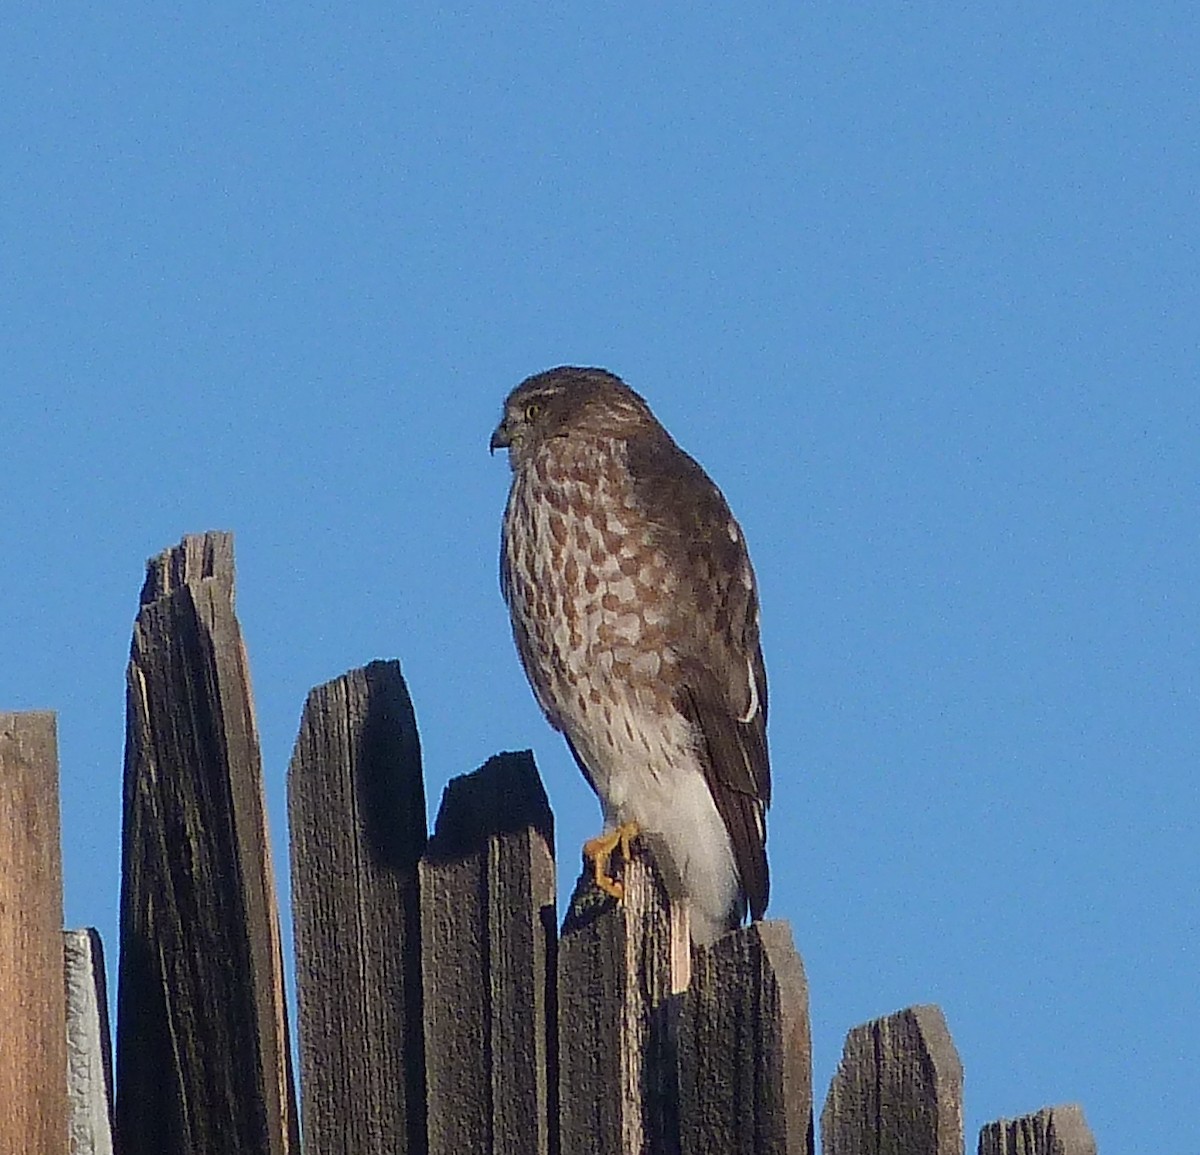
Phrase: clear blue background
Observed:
(917, 284)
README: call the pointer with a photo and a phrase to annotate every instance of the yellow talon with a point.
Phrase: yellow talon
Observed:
(600, 849)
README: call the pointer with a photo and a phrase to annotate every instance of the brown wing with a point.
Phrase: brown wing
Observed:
(714, 629)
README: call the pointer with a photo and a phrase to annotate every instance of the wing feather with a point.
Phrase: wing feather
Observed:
(714, 629)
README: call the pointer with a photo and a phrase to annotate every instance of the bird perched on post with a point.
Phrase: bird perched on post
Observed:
(635, 614)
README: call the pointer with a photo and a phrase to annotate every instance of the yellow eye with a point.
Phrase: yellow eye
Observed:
(532, 411)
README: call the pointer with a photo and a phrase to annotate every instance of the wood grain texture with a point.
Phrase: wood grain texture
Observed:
(203, 1062)
(621, 968)
(897, 1090)
(1058, 1130)
(356, 811)
(89, 1052)
(33, 1080)
(745, 1051)
(487, 928)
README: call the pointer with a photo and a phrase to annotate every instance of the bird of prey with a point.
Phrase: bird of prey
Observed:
(635, 614)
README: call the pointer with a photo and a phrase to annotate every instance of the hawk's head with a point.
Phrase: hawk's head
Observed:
(563, 401)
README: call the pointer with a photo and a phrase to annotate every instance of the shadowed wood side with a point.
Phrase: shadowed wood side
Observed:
(356, 810)
(203, 1062)
(1051, 1131)
(621, 967)
(33, 1079)
(898, 1088)
(745, 1053)
(487, 927)
(89, 1052)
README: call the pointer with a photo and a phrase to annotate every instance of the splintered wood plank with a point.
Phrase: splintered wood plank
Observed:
(745, 1054)
(1058, 1130)
(33, 1071)
(621, 967)
(89, 1053)
(897, 1090)
(203, 1062)
(487, 929)
(356, 810)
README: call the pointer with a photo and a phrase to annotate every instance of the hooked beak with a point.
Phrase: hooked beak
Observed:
(501, 438)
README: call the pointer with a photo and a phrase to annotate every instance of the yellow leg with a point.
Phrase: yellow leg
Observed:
(600, 849)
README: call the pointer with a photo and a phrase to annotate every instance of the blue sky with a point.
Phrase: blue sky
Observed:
(919, 286)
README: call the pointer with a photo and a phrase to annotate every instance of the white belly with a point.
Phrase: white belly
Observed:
(645, 770)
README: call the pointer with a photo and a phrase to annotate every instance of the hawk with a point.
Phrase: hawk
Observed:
(635, 614)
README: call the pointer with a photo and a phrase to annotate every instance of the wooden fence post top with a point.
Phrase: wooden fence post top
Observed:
(1060, 1130)
(198, 556)
(357, 761)
(89, 1052)
(504, 796)
(653, 891)
(935, 1034)
(745, 1051)
(898, 1087)
(773, 938)
(621, 967)
(27, 728)
(487, 931)
(33, 1072)
(765, 946)
(356, 819)
(203, 1059)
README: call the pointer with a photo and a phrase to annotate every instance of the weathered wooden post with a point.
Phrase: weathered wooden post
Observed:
(897, 1090)
(487, 939)
(745, 1050)
(89, 1052)
(33, 1072)
(203, 1062)
(356, 810)
(1051, 1131)
(621, 968)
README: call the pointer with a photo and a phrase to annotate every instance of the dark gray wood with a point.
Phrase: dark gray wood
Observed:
(89, 1052)
(1058, 1130)
(897, 1090)
(203, 1062)
(621, 968)
(356, 813)
(745, 1051)
(198, 557)
(33, 1080)
(487, 929)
